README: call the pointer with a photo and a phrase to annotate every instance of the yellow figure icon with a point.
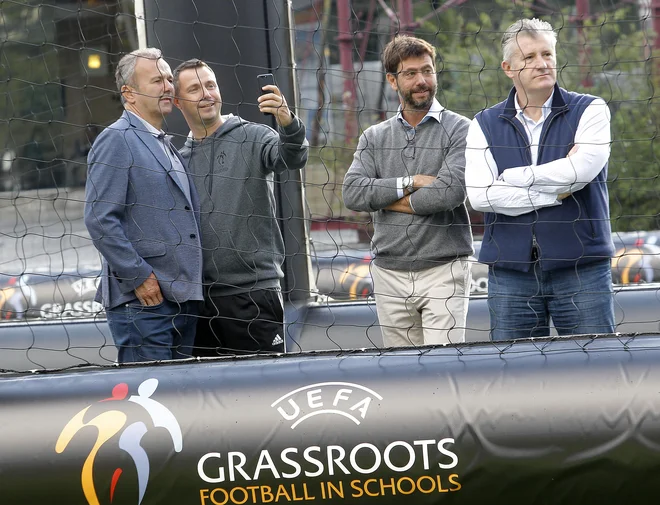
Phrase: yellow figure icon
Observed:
(108, 425)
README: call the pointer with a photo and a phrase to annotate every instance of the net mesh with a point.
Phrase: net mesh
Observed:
(57, 94)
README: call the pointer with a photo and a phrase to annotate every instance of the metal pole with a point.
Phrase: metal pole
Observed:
(582, 7)
(367, 30)
(321, 72)
(655, 14)
(346, 59)
(405, 17)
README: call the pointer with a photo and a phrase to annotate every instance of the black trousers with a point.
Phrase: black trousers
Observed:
(245, 323)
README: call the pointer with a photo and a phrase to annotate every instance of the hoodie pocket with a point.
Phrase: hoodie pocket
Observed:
(227, 254)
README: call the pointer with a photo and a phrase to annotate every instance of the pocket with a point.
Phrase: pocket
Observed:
(150, 248)
(275, 303)
(464, 280)
(238, 255)
(139, 306)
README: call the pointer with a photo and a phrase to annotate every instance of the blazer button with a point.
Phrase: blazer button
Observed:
(192, 235)
(187, 208)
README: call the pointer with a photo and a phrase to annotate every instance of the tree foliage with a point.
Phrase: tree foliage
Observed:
(30, 96)
(609, 57)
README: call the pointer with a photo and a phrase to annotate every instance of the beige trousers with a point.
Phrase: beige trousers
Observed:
(425, 307)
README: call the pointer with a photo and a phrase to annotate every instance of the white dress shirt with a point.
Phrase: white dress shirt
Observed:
(527, 188)
(434, 113)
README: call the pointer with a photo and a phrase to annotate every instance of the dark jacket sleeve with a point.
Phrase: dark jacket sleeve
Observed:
(286, 149)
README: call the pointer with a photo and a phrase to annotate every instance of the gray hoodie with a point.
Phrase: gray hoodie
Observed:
(233, 172)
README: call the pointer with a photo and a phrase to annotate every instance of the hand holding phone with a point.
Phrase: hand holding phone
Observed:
(275, 102)
(265, 80)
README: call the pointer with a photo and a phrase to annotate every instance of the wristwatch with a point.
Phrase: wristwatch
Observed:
(408, 184)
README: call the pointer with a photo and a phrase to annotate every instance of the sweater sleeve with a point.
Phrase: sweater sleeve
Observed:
(363, 189)
(448, 190)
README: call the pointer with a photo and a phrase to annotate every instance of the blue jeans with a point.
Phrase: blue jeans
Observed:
(158, 332)
(579, 301)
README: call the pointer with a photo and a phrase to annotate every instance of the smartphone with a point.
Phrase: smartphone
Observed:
(265, 80)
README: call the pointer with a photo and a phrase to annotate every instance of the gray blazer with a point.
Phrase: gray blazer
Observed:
(139, 217)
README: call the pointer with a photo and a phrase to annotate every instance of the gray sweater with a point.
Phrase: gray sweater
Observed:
(439, 231)
(233, 172)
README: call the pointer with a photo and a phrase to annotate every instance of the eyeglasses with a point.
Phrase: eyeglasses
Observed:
(409, 75)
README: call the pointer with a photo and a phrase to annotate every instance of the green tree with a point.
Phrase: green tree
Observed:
(607, 58)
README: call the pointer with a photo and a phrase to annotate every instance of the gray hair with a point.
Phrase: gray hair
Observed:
(126, 66)
(531, 27)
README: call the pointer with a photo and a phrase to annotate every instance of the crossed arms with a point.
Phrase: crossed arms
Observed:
(369, 187)
(519, 190)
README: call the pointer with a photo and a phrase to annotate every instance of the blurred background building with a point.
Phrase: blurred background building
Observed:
(57, 85)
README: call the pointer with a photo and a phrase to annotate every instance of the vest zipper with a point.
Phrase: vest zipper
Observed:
(545, 133)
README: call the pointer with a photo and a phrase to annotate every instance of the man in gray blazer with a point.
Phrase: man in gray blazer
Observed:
(140, 210)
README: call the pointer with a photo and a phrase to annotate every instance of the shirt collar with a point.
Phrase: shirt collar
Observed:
(546, 108)
(224, 117)
(148, 126)
(434, 112)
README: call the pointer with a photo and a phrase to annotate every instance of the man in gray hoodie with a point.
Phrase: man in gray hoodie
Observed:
(232, 162)
(409, 172)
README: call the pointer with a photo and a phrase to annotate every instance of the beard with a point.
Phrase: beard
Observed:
(422, 105)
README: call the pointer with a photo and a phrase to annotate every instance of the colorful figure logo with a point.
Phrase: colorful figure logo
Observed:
(109, 424)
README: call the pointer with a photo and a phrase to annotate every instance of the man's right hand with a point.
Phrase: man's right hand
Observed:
(148, 293)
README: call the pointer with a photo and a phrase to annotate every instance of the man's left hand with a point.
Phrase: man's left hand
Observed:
(274, 103)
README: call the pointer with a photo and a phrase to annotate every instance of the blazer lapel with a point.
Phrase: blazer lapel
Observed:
(153, 144)
(185, 171)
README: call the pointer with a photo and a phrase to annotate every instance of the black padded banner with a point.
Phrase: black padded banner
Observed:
(542, 422)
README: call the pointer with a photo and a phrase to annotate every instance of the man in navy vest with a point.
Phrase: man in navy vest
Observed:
(536, 164)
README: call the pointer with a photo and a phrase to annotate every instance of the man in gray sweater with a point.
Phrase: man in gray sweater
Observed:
(232, 162)
(408, 172)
